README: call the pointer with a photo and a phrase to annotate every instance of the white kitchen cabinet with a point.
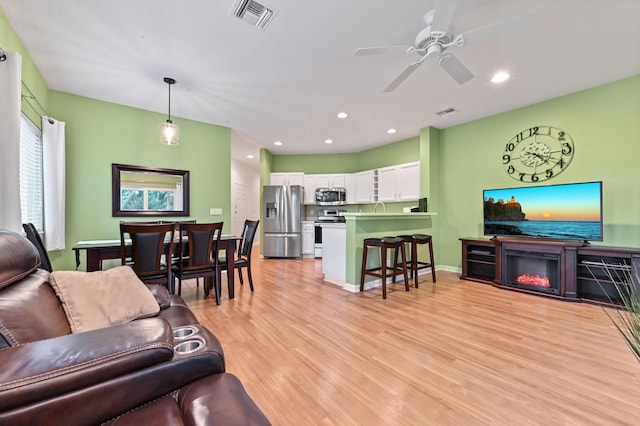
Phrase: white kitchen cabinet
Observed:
(309, 189)
(350, 187)
(399, 183)
(308, 238)
(330, 181)
(409, 181)
(295, 178)
(364, 187)
(388, 184)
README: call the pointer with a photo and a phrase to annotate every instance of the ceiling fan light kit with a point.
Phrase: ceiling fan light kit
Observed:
(437, 37)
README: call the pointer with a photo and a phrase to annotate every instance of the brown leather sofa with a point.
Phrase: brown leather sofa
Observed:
(132, 373)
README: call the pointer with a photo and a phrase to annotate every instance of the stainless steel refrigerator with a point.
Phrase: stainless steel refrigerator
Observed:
(283, 212)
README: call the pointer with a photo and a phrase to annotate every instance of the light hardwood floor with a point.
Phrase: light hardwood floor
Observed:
(464, 353)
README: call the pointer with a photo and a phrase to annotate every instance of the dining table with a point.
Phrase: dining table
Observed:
(99, 250)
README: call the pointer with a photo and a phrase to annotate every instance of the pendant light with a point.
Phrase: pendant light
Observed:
(169, 132)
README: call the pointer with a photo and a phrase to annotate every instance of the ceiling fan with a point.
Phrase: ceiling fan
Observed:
(434, 40)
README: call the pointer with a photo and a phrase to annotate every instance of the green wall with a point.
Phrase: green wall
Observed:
(316, 163)
(101, 133)
(403, 151)
(604, 123)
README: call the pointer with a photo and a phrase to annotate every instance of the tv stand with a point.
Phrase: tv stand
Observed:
(484, 261)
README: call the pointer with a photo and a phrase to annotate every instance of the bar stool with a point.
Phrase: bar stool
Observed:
(415, 264)
(383, 271)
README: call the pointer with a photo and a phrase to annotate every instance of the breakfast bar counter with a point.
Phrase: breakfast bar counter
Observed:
(368, 225)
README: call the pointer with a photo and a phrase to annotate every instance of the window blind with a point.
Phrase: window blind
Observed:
(31, 178)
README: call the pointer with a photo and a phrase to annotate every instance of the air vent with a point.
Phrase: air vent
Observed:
(253, 13)
(446, 112)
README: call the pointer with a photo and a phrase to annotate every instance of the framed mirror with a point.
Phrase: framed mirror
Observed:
(149, 191)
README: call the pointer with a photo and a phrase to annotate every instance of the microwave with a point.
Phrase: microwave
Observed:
(331, 196)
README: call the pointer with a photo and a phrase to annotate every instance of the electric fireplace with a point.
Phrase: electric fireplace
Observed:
(534, 271)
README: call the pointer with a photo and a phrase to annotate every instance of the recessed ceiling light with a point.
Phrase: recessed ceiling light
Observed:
(249, 156)
(277, 143)
(327, 141)
(391, 131)
(499, 77)
(342, 115)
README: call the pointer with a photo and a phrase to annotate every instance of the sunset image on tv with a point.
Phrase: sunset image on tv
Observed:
(568, 211)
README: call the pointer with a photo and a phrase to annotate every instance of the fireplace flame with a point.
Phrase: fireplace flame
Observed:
(534, 280)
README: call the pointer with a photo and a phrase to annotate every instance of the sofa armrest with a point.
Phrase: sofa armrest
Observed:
(52, 367)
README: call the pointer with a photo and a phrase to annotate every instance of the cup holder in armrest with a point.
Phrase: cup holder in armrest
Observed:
(182, 333)
(189, 346)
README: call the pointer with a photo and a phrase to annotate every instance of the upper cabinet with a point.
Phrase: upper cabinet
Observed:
(287, 179)
(330, 181)
(399, 183)
(393, 183)
(364, 187)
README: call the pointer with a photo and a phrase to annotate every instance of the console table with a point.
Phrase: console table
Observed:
(569, 267)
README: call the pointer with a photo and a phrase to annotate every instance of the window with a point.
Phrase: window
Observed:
(147, 198)
(31, 180)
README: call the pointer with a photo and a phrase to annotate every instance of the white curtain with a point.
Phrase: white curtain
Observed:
(53, 169)
(10, 78)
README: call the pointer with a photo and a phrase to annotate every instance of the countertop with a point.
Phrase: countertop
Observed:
(374, 216)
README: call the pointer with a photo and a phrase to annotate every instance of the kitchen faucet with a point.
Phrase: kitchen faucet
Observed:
(384, 209)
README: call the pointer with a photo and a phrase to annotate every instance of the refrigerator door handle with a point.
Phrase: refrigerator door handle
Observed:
(271, 234)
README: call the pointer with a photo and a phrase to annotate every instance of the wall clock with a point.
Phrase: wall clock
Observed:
(537, 154)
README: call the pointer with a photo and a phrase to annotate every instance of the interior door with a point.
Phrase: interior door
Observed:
(241, 207)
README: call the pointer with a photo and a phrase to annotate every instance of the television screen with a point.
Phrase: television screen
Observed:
(567, 211)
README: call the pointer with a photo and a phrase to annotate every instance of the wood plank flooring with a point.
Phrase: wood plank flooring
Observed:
(457, 353)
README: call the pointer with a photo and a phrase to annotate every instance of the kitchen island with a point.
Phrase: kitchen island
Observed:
(344, 243)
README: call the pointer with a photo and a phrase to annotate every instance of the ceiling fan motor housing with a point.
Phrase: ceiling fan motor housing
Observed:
(430, 44)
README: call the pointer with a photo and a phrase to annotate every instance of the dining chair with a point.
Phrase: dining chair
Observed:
(176, 254)
(243, 255)
(151, 251)
(34, 237)
(198, 257)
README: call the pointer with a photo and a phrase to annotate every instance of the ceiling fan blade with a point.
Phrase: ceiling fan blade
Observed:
(500, 28)
(402, 77)
(365, 51)
(455, 68)
(443, 14)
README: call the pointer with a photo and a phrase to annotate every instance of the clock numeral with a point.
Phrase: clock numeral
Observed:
(510, 147)
(566, 148)
(549, 173)
(561, 136)
(511, 170)
(561, 163)
(522, 175)
(534, 178)
(522, 135)
(506, 159)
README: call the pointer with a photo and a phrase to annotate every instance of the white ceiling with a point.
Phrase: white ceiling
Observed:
(289, 82)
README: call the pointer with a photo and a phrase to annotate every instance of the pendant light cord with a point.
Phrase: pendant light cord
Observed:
(169, 119)
(170, 81)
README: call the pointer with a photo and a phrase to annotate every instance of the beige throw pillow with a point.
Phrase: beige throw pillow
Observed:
(100, 299)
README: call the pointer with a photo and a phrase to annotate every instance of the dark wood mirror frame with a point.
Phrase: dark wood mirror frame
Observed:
(117, 169)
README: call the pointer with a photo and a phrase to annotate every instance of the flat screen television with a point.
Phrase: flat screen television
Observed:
(566, 211)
